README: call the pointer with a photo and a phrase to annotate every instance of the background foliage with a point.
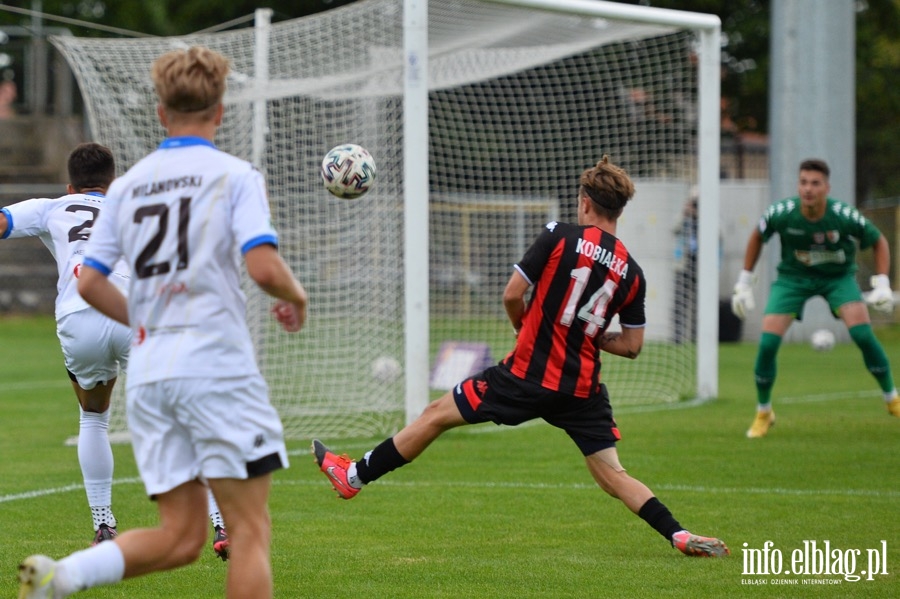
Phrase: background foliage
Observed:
(745, 62)
(745, 58)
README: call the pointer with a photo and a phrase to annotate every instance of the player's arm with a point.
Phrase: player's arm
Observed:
(881, 253)
(754, 249)
(4, 224)
(268, 270)
(514, 299)
(881, 297)
(742, 300)
(626, 343)
(98, 291)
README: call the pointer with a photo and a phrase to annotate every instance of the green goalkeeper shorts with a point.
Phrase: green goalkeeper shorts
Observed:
(789, 293)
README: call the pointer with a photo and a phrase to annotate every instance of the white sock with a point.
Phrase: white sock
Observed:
(676, 534)
(98, 565)
(102, 514)
(764, 407)
(352, 478)
(890, 395)
(214, 515)
(96, 459)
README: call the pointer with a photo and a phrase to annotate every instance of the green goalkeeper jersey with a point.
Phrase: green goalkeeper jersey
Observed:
(826, 247)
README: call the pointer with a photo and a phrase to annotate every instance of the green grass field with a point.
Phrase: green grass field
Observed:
(489, 512)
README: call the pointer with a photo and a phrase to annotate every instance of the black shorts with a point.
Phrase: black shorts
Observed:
(496, 395)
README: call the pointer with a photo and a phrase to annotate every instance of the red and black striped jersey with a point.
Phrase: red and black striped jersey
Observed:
(582, 277)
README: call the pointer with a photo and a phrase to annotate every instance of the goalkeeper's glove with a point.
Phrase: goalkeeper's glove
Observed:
(742, 299)
(881, 297)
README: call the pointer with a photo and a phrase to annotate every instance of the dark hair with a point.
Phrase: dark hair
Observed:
(91, 165)
(608, 187)
(814, 164)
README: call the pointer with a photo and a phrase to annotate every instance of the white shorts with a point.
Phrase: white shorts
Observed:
(94, 346)
(188, 429)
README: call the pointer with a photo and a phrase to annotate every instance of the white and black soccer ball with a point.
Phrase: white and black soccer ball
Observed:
(386, 369)
(822, 340)
(348, 171)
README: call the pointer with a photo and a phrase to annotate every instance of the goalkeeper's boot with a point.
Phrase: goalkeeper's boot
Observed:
(893, 407)
(221, 544)
(697, 546)
(104, 533)
(335, 468)
(37, 578)
(761, 424)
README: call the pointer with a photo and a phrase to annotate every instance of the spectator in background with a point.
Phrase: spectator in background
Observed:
(684, 305)
(8, 95)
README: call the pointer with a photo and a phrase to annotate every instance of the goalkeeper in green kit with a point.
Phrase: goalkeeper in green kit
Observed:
(819, 237)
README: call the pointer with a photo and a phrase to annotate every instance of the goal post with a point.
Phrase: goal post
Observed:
(708, 32)
(481, 115)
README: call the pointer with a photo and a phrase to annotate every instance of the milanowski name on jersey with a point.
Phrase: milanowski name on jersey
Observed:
(149, 189)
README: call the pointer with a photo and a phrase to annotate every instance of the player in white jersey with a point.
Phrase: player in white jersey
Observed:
(197, 406)
(94, 347)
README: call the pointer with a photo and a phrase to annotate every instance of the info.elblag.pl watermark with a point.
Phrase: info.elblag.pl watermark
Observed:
(813, 558)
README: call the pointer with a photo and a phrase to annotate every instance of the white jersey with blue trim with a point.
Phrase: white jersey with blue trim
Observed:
(182, 217)
(63, 225)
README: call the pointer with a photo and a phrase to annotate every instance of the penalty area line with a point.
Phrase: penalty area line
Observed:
(578, 486)
(696, 489)
(58, 490)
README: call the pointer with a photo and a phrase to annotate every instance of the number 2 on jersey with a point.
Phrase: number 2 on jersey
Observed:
(83, 231)
(594, 310)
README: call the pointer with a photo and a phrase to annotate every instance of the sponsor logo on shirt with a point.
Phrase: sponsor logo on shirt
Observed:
(815, 258)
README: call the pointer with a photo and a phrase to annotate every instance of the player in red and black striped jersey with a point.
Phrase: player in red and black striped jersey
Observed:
(582, 276)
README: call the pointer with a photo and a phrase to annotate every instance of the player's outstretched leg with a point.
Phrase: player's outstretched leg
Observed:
(335, 468)
(761, 424)
(37, 578)
(221, 544)
(697, 546)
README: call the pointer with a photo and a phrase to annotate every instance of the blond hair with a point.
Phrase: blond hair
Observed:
(608, 187)
(190, 81)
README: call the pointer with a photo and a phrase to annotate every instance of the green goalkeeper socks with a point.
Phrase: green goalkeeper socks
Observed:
(873, 355)
(765, 367)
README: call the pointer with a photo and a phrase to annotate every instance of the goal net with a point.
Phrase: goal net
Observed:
(520, 101)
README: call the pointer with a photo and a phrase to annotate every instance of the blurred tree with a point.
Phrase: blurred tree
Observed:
(745, 56)
(160, 17)
(877, 100)
(745, 62)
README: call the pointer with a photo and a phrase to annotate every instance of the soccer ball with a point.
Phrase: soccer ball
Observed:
(348, 171)
(822, 340)
(386, 369)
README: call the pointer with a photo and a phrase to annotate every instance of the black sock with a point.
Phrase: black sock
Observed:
(660, 518)
(378, 462)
